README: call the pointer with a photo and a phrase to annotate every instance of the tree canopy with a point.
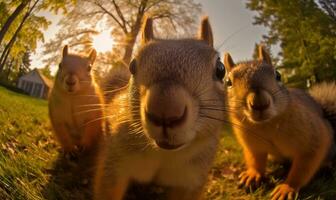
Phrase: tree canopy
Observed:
(124, 19)
(306, 33)
(21, 28)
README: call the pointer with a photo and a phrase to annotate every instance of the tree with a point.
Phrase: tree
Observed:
(329, 6)
(6, 51)
(46, 72)
(125, 18)
(21, 30)
(11, 19)
(306, 35)
(14, 68)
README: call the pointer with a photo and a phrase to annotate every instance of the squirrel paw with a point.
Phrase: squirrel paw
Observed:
(283, 191)
(250, 178)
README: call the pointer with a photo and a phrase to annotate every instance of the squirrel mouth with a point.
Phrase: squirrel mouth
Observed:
(167, 146)
(71, 89)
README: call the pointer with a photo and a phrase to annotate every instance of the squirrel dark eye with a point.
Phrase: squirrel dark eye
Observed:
(132, 66)
(220, 70)
(277, 75)
(228, 82)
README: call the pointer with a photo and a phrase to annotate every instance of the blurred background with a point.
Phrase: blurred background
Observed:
(300, 34)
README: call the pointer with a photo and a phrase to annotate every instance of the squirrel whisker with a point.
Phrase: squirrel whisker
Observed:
(236, 125)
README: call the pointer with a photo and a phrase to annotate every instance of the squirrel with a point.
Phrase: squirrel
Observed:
(164, 127)
(75, 103)
(114, 80)
(271, 120)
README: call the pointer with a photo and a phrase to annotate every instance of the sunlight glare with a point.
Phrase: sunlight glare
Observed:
(103, 42)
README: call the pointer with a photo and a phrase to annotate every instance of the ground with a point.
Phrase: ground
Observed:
(32, 166)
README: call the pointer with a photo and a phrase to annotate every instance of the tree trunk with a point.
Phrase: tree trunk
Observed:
(4, 57)
(11, 19)
(9, 70)
(8, 47)
(130, 42)
(131, 37)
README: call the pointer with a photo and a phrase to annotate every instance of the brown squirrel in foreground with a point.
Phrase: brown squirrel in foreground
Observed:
(161, 128)
(75, 105)
(269, 119)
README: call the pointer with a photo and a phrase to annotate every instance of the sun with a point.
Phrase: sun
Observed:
(103, 42)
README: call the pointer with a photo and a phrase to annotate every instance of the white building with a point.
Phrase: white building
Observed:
(35, 84)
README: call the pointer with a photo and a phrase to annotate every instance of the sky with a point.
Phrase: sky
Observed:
(230, 20)
(232, 26)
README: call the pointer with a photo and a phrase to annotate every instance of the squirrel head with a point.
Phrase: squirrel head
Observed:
(254, 88)
(172, 84)
(74, 72)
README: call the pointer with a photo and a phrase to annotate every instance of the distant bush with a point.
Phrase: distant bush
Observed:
(12, 88)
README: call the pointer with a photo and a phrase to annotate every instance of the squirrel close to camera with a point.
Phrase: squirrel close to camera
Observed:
(269, 119)
(164, 127)
(75, 103)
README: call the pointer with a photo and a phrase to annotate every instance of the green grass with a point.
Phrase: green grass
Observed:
(229, 164)
(31, 166)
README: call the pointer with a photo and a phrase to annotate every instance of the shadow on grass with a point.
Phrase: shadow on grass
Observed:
(321, 187)
(71, 178)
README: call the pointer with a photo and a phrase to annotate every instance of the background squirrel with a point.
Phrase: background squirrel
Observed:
(164, 126)
(269, 119)
(75, 105)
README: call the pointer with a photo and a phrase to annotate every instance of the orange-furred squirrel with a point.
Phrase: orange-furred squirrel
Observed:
(269, 119)
(75, 103)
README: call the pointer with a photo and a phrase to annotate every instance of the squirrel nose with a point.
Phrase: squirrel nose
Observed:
(172, 120)
(258, 100)
(166, 107)
(70, 81)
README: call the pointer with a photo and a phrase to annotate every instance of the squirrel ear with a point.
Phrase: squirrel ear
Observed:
(263, 55)
(228, 62)
(92, 56)
(206, 32)
(65, 51)
(147, 30)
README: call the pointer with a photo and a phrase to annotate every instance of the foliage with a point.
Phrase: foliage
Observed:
(124, 19)
(46, 72)
(23, 33)
(329, 6)
(306, 35)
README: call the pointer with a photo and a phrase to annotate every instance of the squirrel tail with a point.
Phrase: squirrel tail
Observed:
(325, 95)
(115, 79)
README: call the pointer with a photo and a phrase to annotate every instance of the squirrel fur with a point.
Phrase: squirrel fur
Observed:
(269, 119)
(161, 128)
(75, 103)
